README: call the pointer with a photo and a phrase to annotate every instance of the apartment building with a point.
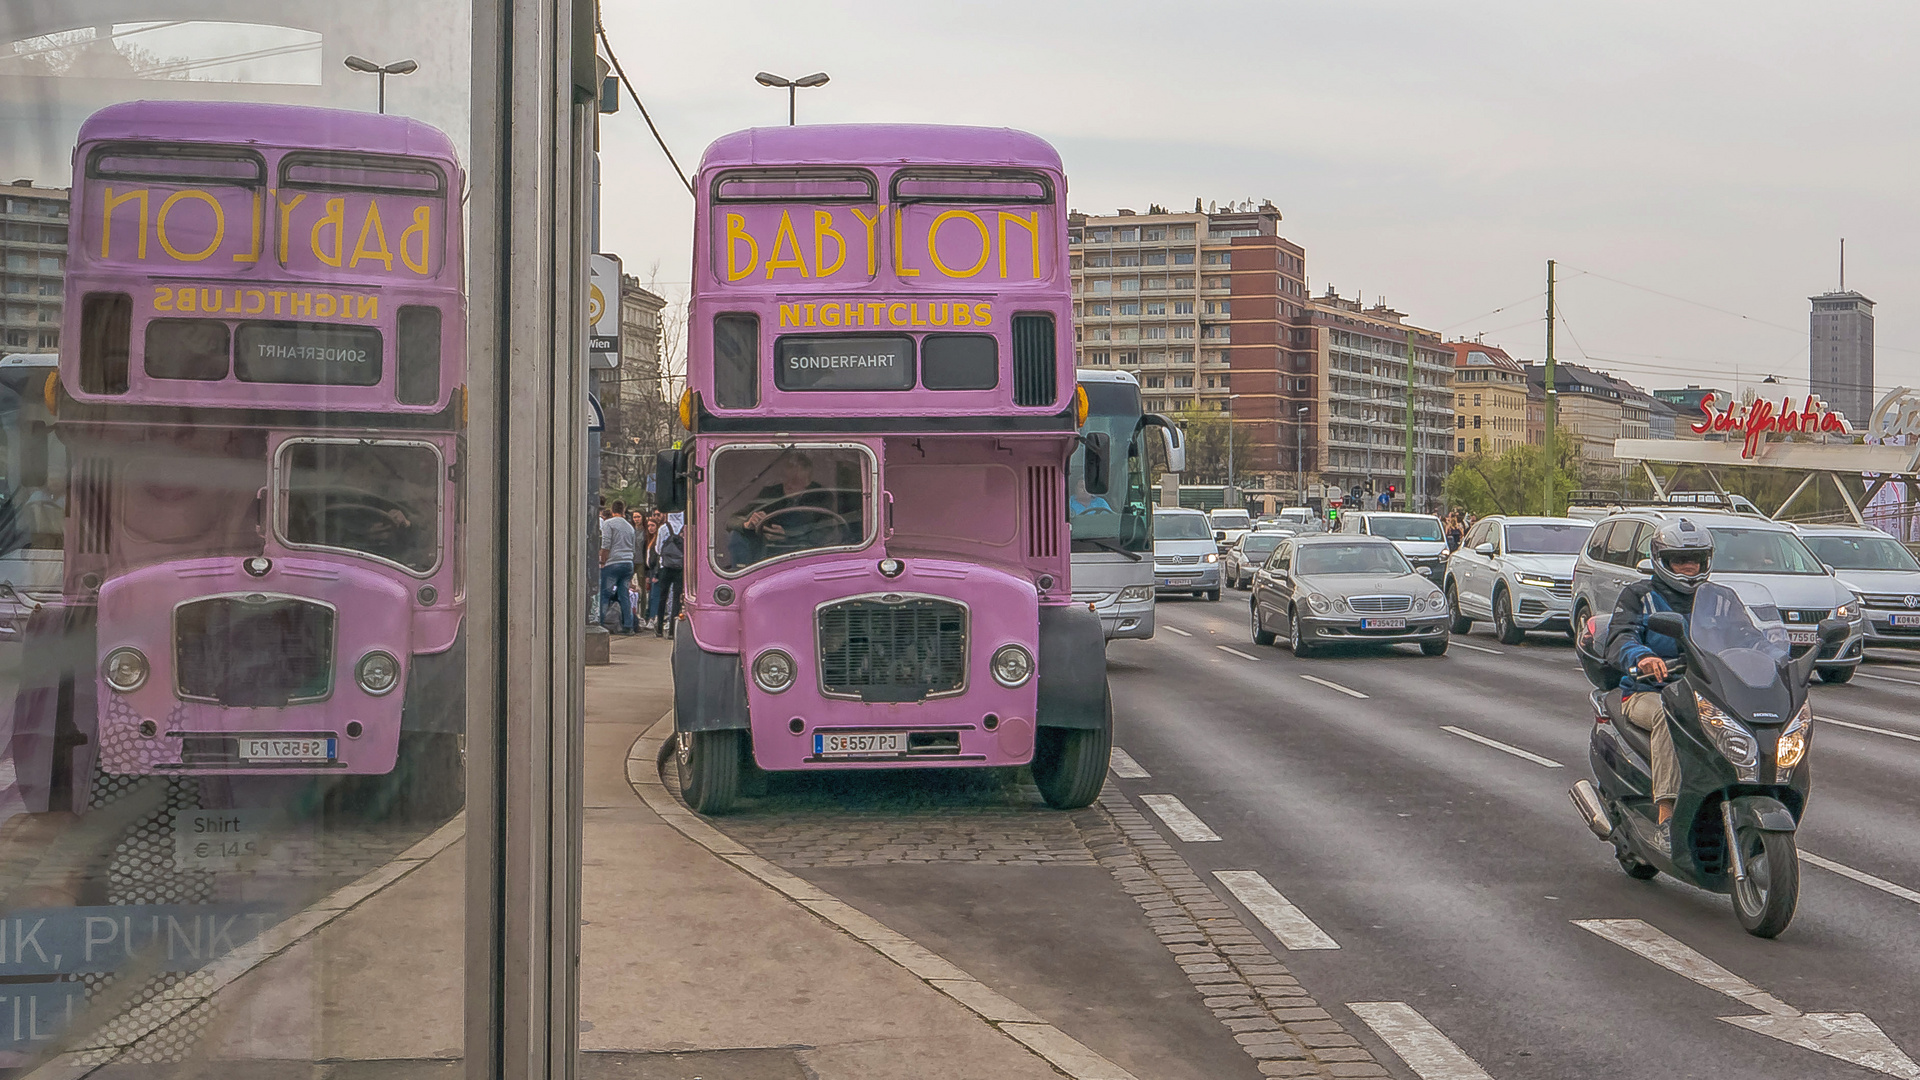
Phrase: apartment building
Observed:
(1362, 353)
(1489, 399)
(1593, 409)
(1207, 309)
(33, 262)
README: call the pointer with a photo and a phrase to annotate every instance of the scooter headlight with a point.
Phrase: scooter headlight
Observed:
(1730, 736)
(1793, 742)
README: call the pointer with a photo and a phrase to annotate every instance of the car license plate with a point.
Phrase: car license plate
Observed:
(1175, 581)
(1803, 637)
(858, 743)
(1383, 624)
(1906, 620)
(286, 749)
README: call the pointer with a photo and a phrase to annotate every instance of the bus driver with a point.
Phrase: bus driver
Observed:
(792, 515)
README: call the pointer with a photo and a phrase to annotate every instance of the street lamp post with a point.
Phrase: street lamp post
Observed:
(1299, 454)
(765, 78)
(398, 67)
(1228, 494)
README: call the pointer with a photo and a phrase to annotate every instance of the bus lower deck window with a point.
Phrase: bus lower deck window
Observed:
(736, 361)
(959, 362)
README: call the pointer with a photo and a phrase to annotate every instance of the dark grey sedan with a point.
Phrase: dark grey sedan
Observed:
(1341, 589)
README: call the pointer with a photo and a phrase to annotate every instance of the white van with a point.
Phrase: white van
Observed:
(1186, 559)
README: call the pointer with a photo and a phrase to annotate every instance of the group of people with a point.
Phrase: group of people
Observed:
(642, 554)
(1457, 523)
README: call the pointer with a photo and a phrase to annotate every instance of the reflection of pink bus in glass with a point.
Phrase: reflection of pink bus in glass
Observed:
(260, 399)
(882, 399)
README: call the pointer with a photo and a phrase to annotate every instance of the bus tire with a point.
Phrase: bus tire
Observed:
(708, 763)
(1070, 764)
(432, 775)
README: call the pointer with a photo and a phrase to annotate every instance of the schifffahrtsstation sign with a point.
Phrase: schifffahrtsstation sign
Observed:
(603, 312)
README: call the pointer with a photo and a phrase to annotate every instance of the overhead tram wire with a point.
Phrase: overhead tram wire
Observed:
(620, 72)
(1495, 311)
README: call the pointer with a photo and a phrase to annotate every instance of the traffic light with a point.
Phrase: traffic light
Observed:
(1390, 490)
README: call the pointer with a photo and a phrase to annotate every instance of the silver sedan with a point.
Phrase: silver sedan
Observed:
(1343, 589)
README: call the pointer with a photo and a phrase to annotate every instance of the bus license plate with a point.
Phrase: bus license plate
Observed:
(1383, 624)
(858, 743)
(286, 749)
(1803, 637)
(1906, 620)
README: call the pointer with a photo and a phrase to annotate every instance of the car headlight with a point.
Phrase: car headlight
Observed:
(125, 669)
(1419, 603)
(1012, 666)
(377, 673)
(1437, 600)
(773, 671)
(1213, 557)
(1732, 738)
(1136, 593)
(1793, 741)
(1849, 611)
(1339, 603)
(1534, 580)
(1318, 603)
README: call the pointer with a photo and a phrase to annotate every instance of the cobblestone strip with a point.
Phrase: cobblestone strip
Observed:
(1248, 989)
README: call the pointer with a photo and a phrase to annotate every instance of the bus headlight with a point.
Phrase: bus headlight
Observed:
(1012, 666)
(126, 669)
(773, 671)
(1793, 741)
(1134, 594)
(377, 673)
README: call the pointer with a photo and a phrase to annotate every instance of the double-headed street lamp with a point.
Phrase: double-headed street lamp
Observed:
(398, 67)
(1299, 453)
(818, 78)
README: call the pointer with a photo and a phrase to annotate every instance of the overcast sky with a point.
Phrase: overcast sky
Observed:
(1436, 155)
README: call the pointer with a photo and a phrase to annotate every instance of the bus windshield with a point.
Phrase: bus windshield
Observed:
(376, 498)
(1117, 519)
(770, 502)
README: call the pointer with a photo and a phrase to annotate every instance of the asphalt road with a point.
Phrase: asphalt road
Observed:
(1451, 872)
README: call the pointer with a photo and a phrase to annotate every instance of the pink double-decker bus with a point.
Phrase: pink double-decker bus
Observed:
(881, 396)
(261, 403)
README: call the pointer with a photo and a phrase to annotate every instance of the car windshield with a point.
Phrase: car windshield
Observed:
(1231, 519)
(1181, 527)
(775, 501)
(1862, 553)
(1761, 551)
(1261, 544)
(380, 499)
(1555, 539)
(1355, 558)
(1722, 626)
(1405, 528)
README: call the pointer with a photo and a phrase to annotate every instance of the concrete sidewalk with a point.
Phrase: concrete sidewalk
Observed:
(693, 968)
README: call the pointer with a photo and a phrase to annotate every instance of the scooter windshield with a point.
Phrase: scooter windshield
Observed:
(1721, 627)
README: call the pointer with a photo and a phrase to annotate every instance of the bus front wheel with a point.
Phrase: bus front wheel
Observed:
(1070, 764)
(708, 763)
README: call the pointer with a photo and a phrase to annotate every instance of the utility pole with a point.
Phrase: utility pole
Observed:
(1412, 396)
(1553, 399)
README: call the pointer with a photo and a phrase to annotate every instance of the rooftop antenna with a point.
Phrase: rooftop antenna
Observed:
(1843, 264)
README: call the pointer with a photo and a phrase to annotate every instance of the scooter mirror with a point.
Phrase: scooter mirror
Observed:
(1668, 623)
(1833, 631)
(1645, 566)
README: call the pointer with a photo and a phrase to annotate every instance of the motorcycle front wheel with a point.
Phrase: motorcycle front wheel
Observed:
(1765, 900)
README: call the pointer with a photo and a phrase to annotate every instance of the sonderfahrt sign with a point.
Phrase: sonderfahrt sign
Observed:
(1761, 418)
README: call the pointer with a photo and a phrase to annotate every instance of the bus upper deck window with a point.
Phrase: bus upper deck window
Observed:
(106, 335)
(959, 362)
(736, 361)
(417, 356)
(188, 349)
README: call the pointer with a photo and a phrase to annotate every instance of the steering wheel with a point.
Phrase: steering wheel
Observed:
(789, 541)
(361, 517)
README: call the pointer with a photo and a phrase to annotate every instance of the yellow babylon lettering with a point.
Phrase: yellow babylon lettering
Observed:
(1004, 242)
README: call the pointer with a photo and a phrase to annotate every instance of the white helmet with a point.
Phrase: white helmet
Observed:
(1681, 540)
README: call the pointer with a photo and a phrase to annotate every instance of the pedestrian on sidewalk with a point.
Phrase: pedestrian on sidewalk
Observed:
(669, 564)
(650, 530)
(616, 564)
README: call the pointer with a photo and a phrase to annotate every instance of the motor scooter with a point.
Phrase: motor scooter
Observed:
(1742, 728)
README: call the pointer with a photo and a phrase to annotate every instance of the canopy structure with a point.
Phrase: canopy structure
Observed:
(1860, 472)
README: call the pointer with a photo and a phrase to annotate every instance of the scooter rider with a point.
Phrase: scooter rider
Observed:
(1682, 556)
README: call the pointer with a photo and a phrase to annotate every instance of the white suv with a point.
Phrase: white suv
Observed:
(1516, 572)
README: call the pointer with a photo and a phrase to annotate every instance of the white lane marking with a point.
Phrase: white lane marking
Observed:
(1238, 653)
(1430, 1054)
(1184, 823)
(1638, 936)
(1498, 745)
(1862, 877)
(1883, 678)
(1125, 767)
(1331, 685)
(1275, 912)
(1865, 727)
(1458, 644)
(1179, 631)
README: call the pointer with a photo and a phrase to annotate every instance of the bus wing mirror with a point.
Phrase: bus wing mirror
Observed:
(1175, 440)
(670, 480)
(1098, 446)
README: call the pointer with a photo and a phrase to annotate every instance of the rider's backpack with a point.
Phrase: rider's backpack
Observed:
(673, 552)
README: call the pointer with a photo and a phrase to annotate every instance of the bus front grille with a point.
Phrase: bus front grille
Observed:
(253, 651)
(892, 648)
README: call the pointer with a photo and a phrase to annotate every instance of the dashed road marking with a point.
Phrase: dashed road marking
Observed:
(1865, 727)
(1185, 823)
(1124, 766)
(1498, 745)
(1177, 630)
(1862, 877)
(1430, 1054)
(1275, 912)
(1237, 652)
(1331, 685)
(1884, 678)
(1458, 644)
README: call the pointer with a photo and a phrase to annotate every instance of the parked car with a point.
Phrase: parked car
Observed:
(1419, 537)
(1242, 559)
(1882, 574)
(1185, 556)
(1516, 572)
(1229, 525)
(1343, 589)
(1765, 561)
